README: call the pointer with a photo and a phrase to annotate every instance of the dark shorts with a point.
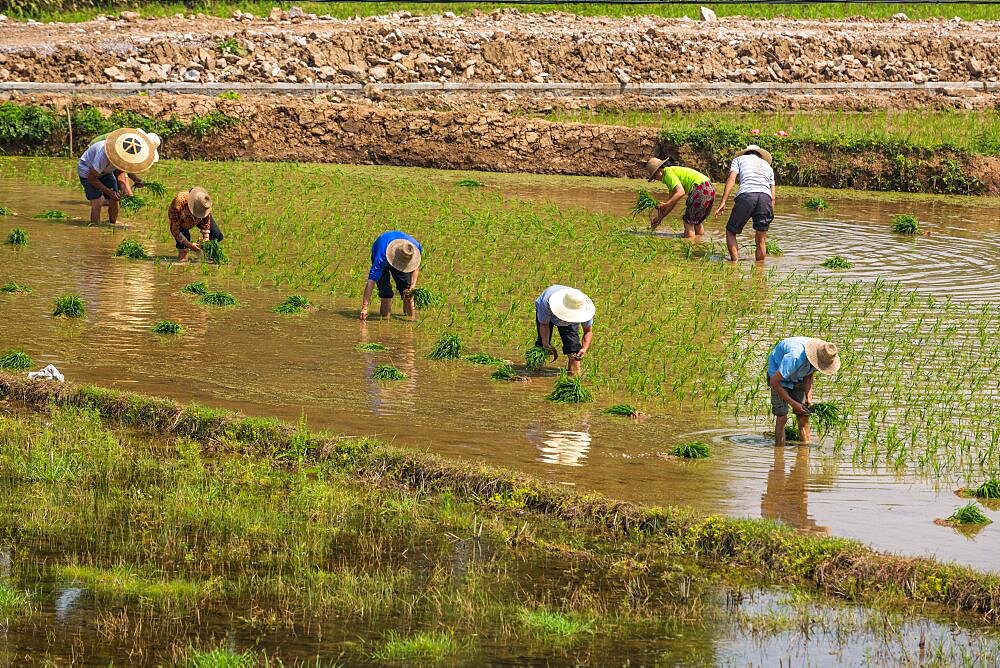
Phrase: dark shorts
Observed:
(214, 234)
(779, 406)
(403, 280)
(699, 203)
(751, 205)
(570, 335)
(93, 193)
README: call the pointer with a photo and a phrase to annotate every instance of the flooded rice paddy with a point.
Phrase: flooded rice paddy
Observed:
(264, 363)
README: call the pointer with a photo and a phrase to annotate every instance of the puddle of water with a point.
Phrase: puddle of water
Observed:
(262, 363)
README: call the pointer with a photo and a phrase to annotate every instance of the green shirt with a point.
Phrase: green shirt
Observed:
(684, 176)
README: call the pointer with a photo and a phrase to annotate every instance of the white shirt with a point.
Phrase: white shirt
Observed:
(94, 158)
(754, 174)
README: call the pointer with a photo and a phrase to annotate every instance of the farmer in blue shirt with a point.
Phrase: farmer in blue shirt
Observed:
(790, 369)
(395, 257)
(569, 311)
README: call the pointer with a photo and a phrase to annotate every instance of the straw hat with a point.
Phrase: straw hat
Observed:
(823, 355)
(199, 203)
(571, 305)
(403, 255)
(653, 165)
(155, 138)
(765, 154)
(130, 150)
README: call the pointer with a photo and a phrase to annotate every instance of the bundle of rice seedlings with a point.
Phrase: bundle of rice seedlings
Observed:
(692, 450)
(505, 371)
(16, 360)
(470, 183)
(69, 306)
(570, 390)
(155, 188)
(816, 204)
(5, 210)
(130, 204)
(132, 249)
(293, 304)
(772, 248)
(167, 327)
(826, 415)
(371, 347)
(218, 298)
(17, 237)
(484, 359)
(448, 347)
(52, 214)
(792, 429)
(196, 288)
(14, 287)
(904, 223)
(644, 202)
(535, 358)
(968, 514)
(988, 490)
(624, 410)
(424, 298)
(214, 252)
(837, 262)
(387, 372)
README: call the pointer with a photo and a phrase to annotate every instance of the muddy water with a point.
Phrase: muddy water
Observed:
(263, 363)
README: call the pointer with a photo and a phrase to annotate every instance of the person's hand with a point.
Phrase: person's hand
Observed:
(720, 208)
(138, 184)
(195, 247)
(364, 312)
(799, 408)
(112, 195)
(579, 355)
(408, 292)
(809, 399)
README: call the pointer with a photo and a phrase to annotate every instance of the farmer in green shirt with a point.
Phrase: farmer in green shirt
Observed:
(682, 181)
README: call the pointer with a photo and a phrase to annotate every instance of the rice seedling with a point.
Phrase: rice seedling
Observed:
(624, 410)
(372, 347)
(155, 188)
(214, 252)
(5, 210)
(968, 514)
(132, 249)
(988, 490)
(772, 248)
(447, 347)
(13, 287)
(424, 298)
(217, 298)
(387, 372)
(131, 204)
(555, 625)
(17, 237)
(570, 390)
(904, 223)
(220, 658)
(792, 429)
(52, 214)
(692, 450)
(167, 327)
(15, 359)
(470, 183)
(826, 415)
(644, 202)
(69, 306)
(535, 358)
(505, 371)
(196, 288)
(484, 359)
(293, 304)
(816, 204)
(837, 262)
(422, 648)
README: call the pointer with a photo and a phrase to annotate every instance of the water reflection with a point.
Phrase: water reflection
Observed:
(786, 496)
(391, 397)
(561, 446)
(66, 602)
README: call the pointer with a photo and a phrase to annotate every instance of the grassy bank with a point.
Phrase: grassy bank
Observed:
(771, 552)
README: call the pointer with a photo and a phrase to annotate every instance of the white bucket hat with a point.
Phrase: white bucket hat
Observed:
(823, 355)
(403, 255)
(130, 150)
(571, 305)
(764, 153)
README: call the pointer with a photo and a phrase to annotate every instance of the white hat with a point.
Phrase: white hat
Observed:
(764, 153)
(571, 305)
(155, 138)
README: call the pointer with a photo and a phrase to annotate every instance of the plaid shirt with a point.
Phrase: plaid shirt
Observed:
(180, 218)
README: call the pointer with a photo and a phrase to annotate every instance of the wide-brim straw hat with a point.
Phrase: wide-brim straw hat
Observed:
(199, 203)
(571, 305)
(764, 153)
(403, 255)
(653, 165)
(155, 138)
(130, 150)
(823, 355)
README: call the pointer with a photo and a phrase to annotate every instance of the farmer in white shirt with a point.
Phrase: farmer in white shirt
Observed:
(129, 150)
(754, 200)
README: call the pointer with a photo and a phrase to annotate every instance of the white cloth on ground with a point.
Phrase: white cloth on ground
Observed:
(48, 373)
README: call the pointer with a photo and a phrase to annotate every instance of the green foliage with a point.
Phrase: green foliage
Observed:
(230, 46)
(17, 237)
(969, 514)
(196, 288)
(228, 95)
(69, 306)
(904, 223)
(816, 204)
(772, 248)
(16, 360)
(132, 249)
(219, 658)
(154, 188)
(424, 298)
(13, 603)
(214, 252)
(53, 215)
(13, 287)
(644, 202)
(167, 327)
(211, 122)
(293, 304)
(128, 584)
(535, 358)
(570, 390)
(470, 183)
(484, 359)
(624, 410)
(555, 625)
(422, 648)
(27, 124)
(988, 490)
(827, 415)
(837, 262)
(505, 371)
(447, 347)
(387, 372)
(218, 298)
(5, 210)
(131, 204)
(692, 450)
(372, 347)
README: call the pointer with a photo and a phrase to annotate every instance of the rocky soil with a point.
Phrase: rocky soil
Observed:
(290, 46)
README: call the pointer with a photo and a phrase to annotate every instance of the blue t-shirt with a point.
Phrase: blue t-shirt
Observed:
(544, 314)
(789, 359)
(379, 261)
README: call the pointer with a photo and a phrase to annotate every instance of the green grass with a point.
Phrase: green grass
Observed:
(131, 248)
(228, 95)
(69, 306)
(693, 450)
(154, 188)
(167, 327)
(988, 490)
(125, 584)
(904, 223)
(16, 360)
(837, 262)
(293, 304)
(217, 298)
(196, 288)
(535, 358)
(53, 214)
(772, 248)
(421, 648)
(131, 204)
(424, 298)
(484, 359)
(969, 514)
(230, 46)
(554, 625)
(470, 183)
(219, 658)
(372, 347)
(447, 347)
(816, 204)
(387, 372)
(5, 210)
(570, 390)
(13, 287)
(17, 237)
(644, 202)
(13, 603)
(214, 252)
(624, 410)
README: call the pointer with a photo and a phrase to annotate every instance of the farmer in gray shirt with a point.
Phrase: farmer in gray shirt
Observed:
(569, 311)
(754, 200)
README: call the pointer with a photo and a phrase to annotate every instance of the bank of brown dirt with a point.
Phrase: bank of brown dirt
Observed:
(501, 46)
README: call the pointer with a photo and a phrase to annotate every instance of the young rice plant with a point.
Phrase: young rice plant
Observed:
(535, 358)
(293, 304)
(214, 252)
(13, 287)
(53, 215)
(387, 372)
(371, 347)
(692, 450)
(484, 359)
(448, 347)
(772, 248)
(155, 188)
(837, 262)
(69, 306)
(17, 237)
(988, 490)
(816, 204)
(644, 202)
(424, 298)
(218, 298)
(16, 360)
(167, 327)
(968, 514)
(131, 204)
(904, 223)
(196, 288)
(570, 390)
(624, 410)
(132, 249)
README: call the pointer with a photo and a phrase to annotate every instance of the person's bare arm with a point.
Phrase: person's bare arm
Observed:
(94, 179)
(664, 208)
(545, 334)
(413, 283)
(808, 386)
(588, 336)
(775, 383)
(773, 194)
(730, 184)
(366, 298)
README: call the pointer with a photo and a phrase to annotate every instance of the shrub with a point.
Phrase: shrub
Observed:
(570, 390)
(5, 210)
(69, 306)
(211, 122)
(132, 249)
(27, 124)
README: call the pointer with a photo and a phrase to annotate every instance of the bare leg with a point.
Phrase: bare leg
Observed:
(804, 434)
(699, 229)
(760, 238)
(573, 367)
(385, 307)
(689, 231)
(95, 210)
(113, 211)
(408, 306)
(779, 430)
(182, 255)
(734, 250)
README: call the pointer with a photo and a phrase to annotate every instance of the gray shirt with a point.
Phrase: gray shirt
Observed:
(94, 158)
(754, 174)
(544, 314)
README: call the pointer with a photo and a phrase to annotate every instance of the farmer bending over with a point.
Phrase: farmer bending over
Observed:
(682, 180)
(754, 200)
(127, 150)
(395, 257)
(568, 310)
(124, 183)
(790, 369)
(189, 210)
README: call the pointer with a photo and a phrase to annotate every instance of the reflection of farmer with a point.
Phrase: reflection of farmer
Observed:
(189, 210)
(790, 369)
(568, 310)
(128, 150)
(786, 498)
(754, 200)
(395, 257)
(683, 180)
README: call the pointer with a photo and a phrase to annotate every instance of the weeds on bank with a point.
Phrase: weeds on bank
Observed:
(167, 327)
(293, 304)
(69, 306)
(692, 450)
(387, 372)
(837, 262)
(230, 46)
(904, 223)
(13, 287)
(448, 347)
(217, 298)
(131, 248)
(16, 360)
(17, 237)
(228, 95)
(570, 390)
